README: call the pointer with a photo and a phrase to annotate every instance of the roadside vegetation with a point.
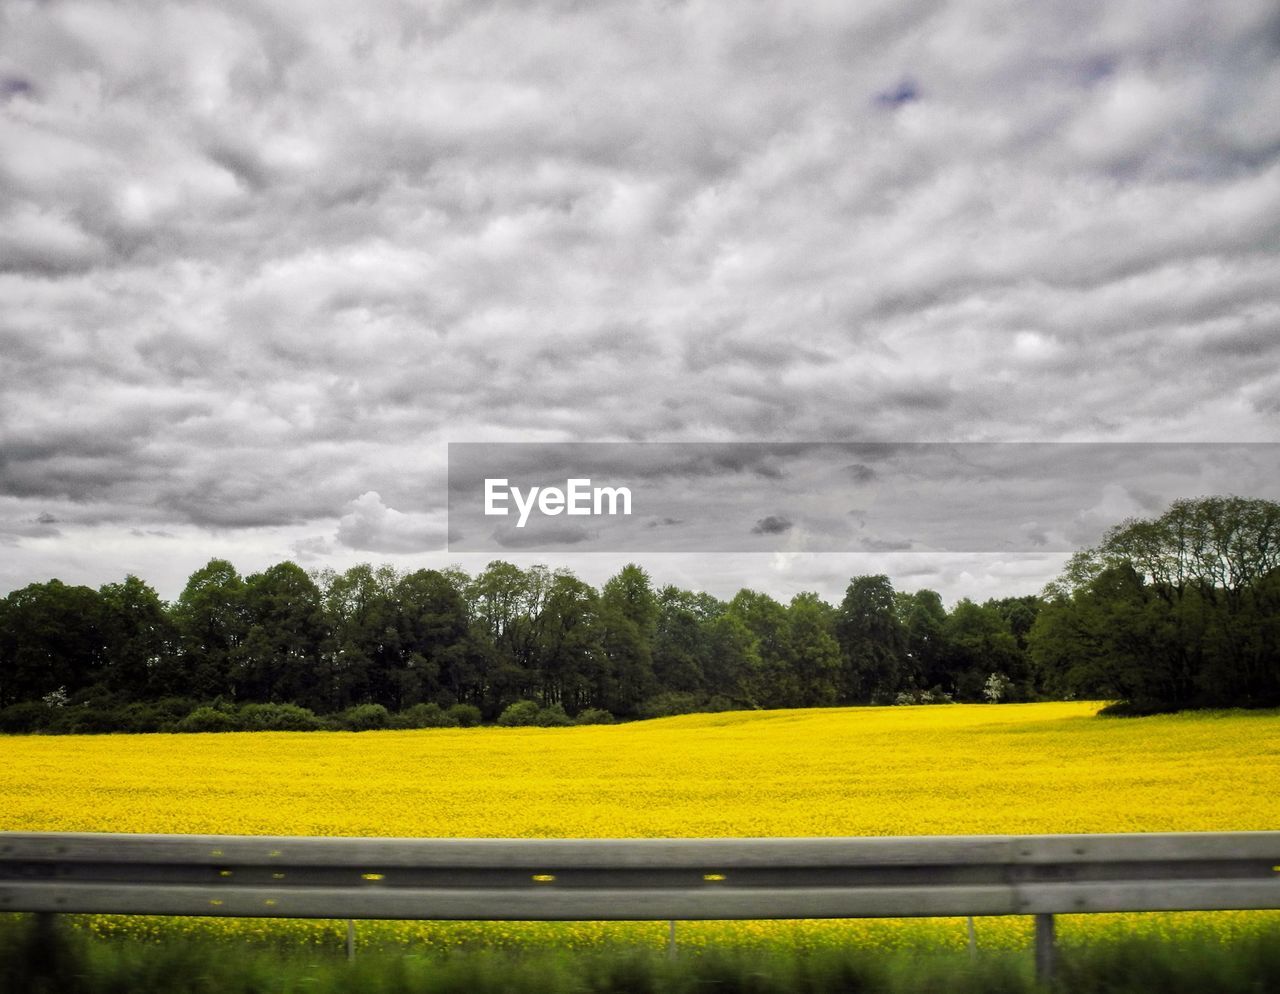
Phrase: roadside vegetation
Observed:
(74, 963)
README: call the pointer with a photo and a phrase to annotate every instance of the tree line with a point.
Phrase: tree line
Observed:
(331, 643)
(1180, 611)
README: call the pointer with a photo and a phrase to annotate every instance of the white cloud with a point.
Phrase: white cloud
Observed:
(370, 526)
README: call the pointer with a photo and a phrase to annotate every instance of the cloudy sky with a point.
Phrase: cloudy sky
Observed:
(262, 260)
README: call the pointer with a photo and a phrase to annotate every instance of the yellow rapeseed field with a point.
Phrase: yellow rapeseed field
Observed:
(959, 769)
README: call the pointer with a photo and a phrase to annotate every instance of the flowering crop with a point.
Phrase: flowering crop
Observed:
(932, 770)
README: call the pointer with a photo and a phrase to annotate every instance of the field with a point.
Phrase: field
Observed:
(961, 769)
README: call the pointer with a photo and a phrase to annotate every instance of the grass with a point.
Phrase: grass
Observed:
(35, 960)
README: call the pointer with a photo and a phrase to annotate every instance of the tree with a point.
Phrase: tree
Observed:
(281, 659)
(1174, 612)
(815, 653)
(434, 636)
(628, 621)
(924, 630)
(978, 644)
(733, 661)
(138, 640)
(773, 683)
(52, 636)
(570, 656)
(871, 640)
(680, 641)
(363, 658)
(210, 620)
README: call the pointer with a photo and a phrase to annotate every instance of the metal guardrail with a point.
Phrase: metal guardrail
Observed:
(640, 879)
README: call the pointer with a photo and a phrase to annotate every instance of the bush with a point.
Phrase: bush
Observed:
(171, 710)
(553, 717)
(278, 718)
(668, 704)
(29, 716)
(466, 715)
(594, 716)
(87, 719)
(424, 716)
(519, 714)
(208, 719)
(365, 718)
(935, 695)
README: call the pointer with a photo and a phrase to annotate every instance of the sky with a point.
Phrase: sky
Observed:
(262, 262)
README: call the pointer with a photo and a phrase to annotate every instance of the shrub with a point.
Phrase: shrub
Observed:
(88, 719)
(278, 718)
(466, 715)
(208, 719)
(29, 716)
(594, 716)
(935, 695)
(424, 716)
(365, 718)
(553, 717)
(171, 710)
(519, 714)
(668, 704)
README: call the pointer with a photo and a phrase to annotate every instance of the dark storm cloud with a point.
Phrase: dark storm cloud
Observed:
(774, 524)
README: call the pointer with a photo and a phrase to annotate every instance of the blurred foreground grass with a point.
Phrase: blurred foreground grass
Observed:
(76, 962)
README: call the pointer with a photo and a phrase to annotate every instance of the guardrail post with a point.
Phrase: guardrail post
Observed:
(1044, 949)
(973, 938)
(671, 940)
(46, 945)
(351, 939)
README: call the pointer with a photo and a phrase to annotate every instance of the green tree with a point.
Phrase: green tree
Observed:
(924, 631)
(52, 635)
(979, 644)
(570, 654)
(681, 640)
(1173, 612)
(209, 617)
(733, 666)
(774, 682)
(434, 638)
(628, 622)
(871, 641)
(139, 641)
(815, 653)
(364, 658)
(281, 659)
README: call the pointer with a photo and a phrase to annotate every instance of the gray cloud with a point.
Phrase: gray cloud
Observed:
(254, 263)
(774, 524)
(370, 526)
(540, 537)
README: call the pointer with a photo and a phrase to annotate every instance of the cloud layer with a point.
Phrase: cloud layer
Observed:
(260, 261)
